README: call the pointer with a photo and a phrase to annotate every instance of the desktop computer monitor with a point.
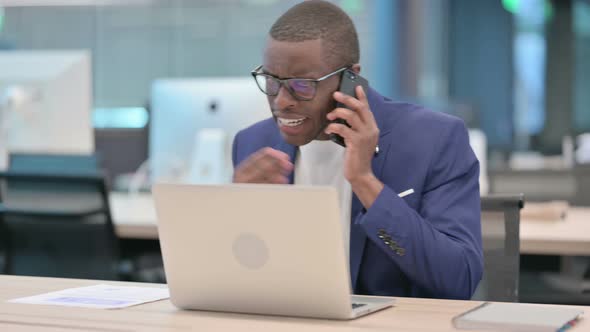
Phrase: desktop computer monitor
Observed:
(193, 123)
(45, 103)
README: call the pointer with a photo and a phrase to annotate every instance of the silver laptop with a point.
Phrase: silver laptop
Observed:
(263, 249)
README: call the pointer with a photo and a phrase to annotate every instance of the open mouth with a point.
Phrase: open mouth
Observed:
(290, 122)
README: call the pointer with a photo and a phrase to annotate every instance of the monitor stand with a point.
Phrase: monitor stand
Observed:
(208, 163)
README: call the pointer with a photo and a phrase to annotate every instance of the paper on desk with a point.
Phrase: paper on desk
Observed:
(100, 296)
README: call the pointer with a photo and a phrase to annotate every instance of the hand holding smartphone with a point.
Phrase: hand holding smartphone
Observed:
(348, 83)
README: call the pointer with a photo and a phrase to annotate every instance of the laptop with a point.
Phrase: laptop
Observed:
(260, 249)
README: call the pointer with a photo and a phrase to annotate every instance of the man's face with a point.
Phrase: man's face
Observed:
(300, 60)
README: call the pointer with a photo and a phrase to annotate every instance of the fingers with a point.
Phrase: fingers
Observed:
(366, 113)
(363, 129)
(361, 95)
(280, 157)
(260, 171)
(336, 128)
(270, 169)
(265, 166)
(348, 101)
(351, 117)
(267, 159)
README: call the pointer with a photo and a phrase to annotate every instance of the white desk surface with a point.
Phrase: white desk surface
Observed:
(135, 217)
(408, 314)
(570, 236)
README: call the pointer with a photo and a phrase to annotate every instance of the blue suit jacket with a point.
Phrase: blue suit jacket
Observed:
(427, 244)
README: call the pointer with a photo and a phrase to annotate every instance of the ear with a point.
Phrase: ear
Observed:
(356, 68)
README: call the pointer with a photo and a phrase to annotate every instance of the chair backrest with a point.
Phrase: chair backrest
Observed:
(500, 221)
(582, 174)
(572, 185)
(57, 221)
(537, 185)
(54, 164)
(112, 143)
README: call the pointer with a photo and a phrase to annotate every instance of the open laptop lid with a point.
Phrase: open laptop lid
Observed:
(268, 249)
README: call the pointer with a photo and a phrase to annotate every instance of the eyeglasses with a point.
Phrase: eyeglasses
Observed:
(300, 88)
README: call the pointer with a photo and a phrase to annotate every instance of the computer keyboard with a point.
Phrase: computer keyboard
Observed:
(356, 305)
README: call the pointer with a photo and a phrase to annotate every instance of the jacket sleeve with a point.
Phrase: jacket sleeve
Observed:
(438, 247)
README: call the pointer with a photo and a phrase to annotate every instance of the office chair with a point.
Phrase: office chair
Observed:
(538, 185)
(500, 222)
(137, 261)
(112, 144)
(56, 220)
(57, 164)
(582, 176)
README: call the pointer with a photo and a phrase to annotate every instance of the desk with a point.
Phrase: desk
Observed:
(135, 217)
(569, 237)
(407, 314)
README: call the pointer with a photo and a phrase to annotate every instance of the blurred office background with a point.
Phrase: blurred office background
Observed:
(517, 71)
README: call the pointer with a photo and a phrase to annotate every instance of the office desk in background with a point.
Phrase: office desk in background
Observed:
(135, 217)
(569, 237)
(407, 314)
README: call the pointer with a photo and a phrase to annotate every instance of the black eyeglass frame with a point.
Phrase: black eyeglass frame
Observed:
(256, 72)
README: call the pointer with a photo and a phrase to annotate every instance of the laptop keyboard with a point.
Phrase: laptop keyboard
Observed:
(357, 305)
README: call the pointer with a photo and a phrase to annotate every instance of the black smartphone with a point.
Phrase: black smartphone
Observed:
(348, 83)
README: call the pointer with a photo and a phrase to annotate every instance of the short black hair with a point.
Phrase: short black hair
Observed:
(314, 19)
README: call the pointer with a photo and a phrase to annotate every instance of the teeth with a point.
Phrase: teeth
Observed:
(290, 122)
